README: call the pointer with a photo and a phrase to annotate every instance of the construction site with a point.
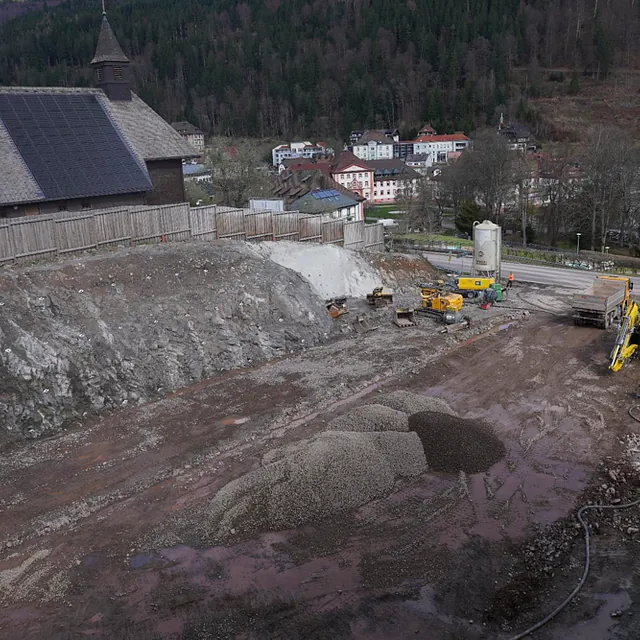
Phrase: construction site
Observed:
(226, 440)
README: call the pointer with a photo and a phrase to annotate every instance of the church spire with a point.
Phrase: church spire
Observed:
(111, 64)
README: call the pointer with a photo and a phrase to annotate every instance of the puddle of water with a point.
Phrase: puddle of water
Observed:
(600, 627)
(91, 560)
(140, 560)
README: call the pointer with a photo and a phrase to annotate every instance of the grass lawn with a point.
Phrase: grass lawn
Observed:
(382, 211)
(423, 237)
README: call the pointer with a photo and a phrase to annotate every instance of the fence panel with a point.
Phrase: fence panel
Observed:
(285, 226)
(33, 236)
(146, 225)
(259, 225)
(174, 222)
(230, 223)
(7, 251)
(374, 236)
(354, 235)
(74, 232)
(203, 223)
(310, 228)
(333, 232)
(112, 227)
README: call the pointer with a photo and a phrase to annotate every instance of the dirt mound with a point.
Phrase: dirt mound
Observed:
(125, 327)
(453, 444)
(325, 475)
(370, 417)
(332, 271)
(410, 403)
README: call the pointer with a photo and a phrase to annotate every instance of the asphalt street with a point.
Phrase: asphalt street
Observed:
(537, 274)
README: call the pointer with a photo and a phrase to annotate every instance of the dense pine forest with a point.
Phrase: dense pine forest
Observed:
(322, 67)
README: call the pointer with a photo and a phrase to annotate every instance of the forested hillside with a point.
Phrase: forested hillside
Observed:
(322, 67)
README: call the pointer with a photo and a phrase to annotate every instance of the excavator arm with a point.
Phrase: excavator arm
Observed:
(626, 340)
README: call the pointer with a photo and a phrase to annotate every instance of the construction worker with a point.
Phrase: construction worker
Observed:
(510, 280)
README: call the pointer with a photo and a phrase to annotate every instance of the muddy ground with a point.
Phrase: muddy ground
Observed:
(95, 528)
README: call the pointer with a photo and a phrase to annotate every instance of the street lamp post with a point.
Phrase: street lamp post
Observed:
(578, 246)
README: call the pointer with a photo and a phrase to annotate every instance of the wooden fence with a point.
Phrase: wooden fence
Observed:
(45, 236)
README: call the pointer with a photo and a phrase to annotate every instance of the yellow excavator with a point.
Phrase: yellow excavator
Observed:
(628, 337)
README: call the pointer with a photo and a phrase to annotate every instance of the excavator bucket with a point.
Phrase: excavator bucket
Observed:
(361, 325)
(337, 307)
(405, 318)
(379, 298)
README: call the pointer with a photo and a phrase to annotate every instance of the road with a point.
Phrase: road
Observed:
(536, 274)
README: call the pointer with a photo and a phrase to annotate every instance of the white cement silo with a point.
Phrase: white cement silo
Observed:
(487, 248)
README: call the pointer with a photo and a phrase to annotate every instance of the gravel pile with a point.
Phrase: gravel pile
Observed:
(370, 417)
(330, 473)
(411, 403)
(453, 444)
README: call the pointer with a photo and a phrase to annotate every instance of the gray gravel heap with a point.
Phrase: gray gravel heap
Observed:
(453, 444)
(370, 417)
(329, 473)
(410, 403)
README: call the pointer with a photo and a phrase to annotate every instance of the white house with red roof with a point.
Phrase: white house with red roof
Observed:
(439, 146)
(303, 150)
(354, 174)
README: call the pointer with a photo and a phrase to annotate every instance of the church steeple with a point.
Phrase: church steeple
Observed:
(111, 64)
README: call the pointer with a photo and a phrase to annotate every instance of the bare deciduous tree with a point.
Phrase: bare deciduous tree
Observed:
(237, 172)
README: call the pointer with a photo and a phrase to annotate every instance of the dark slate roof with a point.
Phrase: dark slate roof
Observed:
(375, 136)
(186, 128)
(71, 147)
(108, 49)
(323, 201)
(62, 143)
(394, 169)
(292, 185)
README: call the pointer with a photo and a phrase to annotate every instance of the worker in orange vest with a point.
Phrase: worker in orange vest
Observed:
(510, 281)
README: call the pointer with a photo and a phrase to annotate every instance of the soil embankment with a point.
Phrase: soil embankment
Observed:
(123, 328)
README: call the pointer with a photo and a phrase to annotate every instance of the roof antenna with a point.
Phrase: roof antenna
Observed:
(104, 11)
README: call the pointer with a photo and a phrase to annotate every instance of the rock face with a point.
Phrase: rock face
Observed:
(125, 327)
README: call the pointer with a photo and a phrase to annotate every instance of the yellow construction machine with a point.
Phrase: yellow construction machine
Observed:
(379, 297)
(628, 337)
(437, 299)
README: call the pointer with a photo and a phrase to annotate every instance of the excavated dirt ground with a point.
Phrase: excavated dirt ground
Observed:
(94, 539)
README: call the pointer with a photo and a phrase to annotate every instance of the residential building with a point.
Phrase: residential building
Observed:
(73, 149)
(191, 134)
(314, 192)
(321, 163)
(356, 135)
(198, 173)
(419, 162)
(392, 179)
(374, 145)
(402, 149)
(427, 130)
(438, 146)
(518, 137)
(354, 174)
(301, 150)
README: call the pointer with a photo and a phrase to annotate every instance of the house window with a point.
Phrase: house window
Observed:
(99, 75)
(86, 204)
(117, 73)
(62, 206)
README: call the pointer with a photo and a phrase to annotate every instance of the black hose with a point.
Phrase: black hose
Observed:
(632, 408)
(573, 594)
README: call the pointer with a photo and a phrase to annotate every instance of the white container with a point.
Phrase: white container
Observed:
(487, 244)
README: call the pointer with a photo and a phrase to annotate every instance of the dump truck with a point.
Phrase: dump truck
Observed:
(604, 303)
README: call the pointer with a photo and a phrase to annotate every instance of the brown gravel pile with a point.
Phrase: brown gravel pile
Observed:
(370, 417)
(453, 444)
(325, 475)
(410, 403)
